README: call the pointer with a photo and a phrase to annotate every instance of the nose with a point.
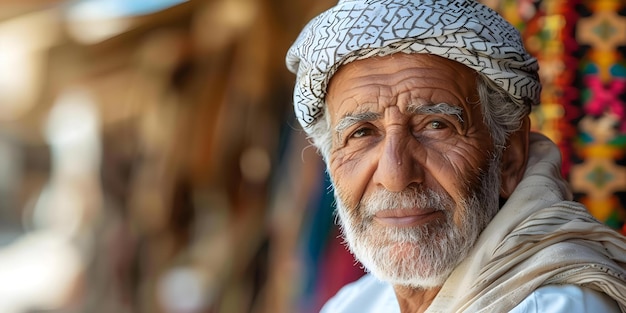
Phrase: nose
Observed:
(398, 167)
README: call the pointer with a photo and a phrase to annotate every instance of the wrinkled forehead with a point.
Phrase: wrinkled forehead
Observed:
(463, 31)
(403, 80)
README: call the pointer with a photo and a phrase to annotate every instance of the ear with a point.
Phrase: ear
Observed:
(514, 159)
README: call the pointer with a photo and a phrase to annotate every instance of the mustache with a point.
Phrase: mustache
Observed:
(413, 198)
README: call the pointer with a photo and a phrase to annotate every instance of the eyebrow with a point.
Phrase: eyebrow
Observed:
(350, 119)
(437, 108)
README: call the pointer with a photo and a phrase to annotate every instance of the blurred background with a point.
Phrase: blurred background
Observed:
(150, 160)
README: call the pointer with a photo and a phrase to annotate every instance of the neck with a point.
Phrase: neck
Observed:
(415, 300)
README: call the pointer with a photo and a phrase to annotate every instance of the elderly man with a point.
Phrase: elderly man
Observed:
(420, 110)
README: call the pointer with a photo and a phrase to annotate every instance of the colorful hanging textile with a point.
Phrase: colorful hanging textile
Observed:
(581, 47)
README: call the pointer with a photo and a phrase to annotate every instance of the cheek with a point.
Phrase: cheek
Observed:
(351, 177)
(458, 169)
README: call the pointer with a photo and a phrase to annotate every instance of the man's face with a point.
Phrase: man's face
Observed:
(413, 165)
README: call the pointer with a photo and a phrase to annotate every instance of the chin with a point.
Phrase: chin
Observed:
(417, 257)
(406, 263)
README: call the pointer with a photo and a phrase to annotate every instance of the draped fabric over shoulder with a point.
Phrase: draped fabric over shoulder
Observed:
(538, 238)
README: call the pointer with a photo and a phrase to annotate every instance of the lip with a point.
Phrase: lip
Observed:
(405, 218)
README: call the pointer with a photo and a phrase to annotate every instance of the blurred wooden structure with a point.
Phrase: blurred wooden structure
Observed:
(195, 111)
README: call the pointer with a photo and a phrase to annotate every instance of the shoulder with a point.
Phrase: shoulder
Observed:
(367, 294)
(566, 298)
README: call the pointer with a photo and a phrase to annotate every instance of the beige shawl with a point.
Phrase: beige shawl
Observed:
(538, 238)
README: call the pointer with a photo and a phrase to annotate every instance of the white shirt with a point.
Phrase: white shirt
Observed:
(368, 294)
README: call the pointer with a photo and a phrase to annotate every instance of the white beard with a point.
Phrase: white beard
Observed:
(422, 256)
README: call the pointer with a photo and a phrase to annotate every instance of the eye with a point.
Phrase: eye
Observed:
(362, 132)
(437, 125)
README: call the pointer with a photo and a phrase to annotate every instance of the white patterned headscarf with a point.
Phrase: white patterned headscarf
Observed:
(464, 31)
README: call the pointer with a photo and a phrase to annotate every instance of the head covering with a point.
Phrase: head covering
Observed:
(464, 31)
